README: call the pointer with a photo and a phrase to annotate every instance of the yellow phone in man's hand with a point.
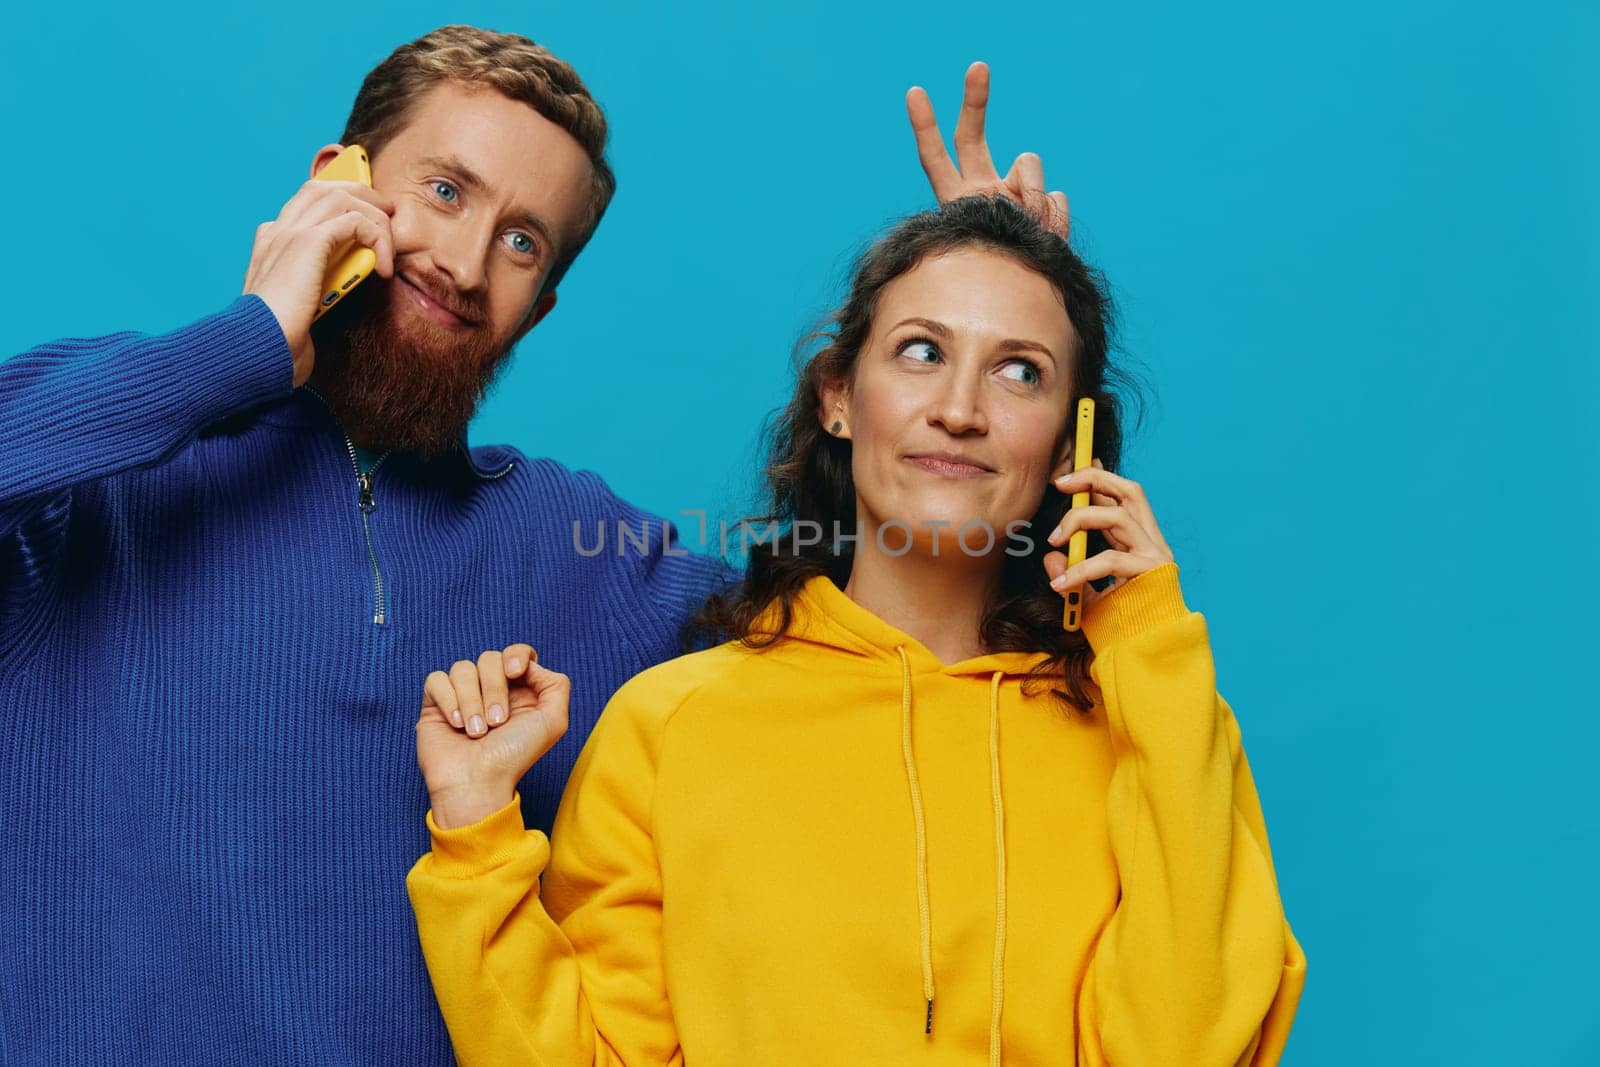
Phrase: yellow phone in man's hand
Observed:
(354, 261)
(1078, 543)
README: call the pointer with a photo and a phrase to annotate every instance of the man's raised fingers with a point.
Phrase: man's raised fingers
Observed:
(972, 151)
(936, 162)
(1060, 217)
(1028, 174)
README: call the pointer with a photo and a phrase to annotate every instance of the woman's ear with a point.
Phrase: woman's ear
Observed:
(1065, 445)
(833, 397)
(1063, 466)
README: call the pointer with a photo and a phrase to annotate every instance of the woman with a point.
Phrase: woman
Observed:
(901, 815)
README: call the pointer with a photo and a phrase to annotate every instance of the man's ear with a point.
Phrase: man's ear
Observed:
(323, 157)
(541, 308)
(833, 401)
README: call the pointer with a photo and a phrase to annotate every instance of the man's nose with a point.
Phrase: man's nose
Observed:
(460, 253)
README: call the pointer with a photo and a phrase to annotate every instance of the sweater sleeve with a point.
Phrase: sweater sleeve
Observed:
(668, 567)
(571, 973)
(80, 409)
(1197, 964)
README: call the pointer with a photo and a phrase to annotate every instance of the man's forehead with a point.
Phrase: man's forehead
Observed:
(499, 146)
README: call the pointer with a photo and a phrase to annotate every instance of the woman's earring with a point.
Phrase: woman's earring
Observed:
(836, 427)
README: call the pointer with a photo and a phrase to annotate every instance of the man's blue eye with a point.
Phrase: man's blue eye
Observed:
(522, 242)
(445, 190)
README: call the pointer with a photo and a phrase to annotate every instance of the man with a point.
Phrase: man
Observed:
(229, 554)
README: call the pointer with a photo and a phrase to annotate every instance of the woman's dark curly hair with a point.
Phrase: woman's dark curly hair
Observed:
(808, 471)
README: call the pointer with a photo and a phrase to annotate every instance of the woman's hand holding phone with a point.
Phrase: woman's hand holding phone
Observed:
(1117, 508)
(292, 254)
(483, 724)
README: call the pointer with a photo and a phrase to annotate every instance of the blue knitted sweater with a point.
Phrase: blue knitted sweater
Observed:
(211, 662)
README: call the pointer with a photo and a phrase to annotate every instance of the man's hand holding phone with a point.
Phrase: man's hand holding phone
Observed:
(293, 252)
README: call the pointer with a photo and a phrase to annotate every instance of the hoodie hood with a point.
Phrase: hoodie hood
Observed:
(824, 615)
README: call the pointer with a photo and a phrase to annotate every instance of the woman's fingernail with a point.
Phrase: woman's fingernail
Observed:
(497, 715)
(476, 725)
(1058, 583)
(455, 717)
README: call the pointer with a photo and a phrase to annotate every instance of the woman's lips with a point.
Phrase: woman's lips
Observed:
(430, 307)
(947, 468)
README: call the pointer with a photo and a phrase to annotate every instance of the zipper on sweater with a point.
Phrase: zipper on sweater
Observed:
(367, 505)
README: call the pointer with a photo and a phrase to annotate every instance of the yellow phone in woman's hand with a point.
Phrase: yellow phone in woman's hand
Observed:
(354, 261)
(1078, 543)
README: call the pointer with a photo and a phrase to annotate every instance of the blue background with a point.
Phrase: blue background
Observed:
(1355, 250)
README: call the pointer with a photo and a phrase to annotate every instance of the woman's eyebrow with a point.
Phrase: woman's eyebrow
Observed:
(1019, 345)
(938, 329)
(1010, 344)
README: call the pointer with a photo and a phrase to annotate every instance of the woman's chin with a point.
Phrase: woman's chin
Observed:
(943, 532)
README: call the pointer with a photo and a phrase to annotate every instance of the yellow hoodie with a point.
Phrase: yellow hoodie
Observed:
(839, 850)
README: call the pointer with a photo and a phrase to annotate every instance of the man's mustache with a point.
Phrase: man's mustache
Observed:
(442, 292)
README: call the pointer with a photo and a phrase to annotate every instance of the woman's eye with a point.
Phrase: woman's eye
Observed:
(446, 191)
(1022, 371)
(920, 351)
(522, 243)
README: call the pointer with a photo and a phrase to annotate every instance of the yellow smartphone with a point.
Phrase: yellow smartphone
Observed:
(1078, 543)
(354, 261)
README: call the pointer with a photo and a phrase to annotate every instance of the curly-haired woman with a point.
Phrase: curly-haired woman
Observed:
(899, 814)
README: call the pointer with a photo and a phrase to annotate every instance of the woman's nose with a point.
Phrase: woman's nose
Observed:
(959, 406)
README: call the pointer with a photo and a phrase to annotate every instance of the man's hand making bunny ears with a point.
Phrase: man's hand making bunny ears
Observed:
(973, 172)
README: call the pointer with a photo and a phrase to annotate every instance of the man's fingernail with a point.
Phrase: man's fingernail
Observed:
(476, 725)
(497, 715)
(1058, 583)
(455, 717)
(514, 665)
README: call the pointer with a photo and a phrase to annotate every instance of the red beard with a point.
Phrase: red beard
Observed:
(397, 380)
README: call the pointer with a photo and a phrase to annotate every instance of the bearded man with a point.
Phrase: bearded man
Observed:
(230, 553)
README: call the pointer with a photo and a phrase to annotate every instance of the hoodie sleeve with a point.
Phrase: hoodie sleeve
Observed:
(571, 973)
(1197, 964)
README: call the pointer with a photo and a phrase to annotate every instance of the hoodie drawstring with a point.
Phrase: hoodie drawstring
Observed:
(924, 914)
(997, 980)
